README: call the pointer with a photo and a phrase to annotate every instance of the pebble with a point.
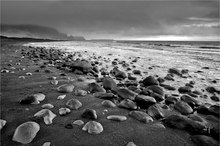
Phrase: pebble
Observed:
(117, 118)
(128, 104)
(89, 114)
(26, 132)
(47, 106)
(29, 74)
(47, 114)
(155, 112)
(78, 122)
(141, 116)
(80, 92)
(63, 111)
(93, 127)
(47, 144)
(21, 77)
(108, 103)
(183, 108)
(54, 82)
(66, 88)
(74, 104)
(2, 123)
(131, 144)
(126, 93)
(61, 97)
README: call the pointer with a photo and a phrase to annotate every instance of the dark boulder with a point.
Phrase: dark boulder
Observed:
(183, 108)
(144, 101)
(94, 87)
(150, 80)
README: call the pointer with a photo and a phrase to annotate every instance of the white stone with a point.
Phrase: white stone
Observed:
(48, 106)
(93, 127)
(61, 97)
(2, 123)
(28, 73)
(47, 144)
(64, 111)
(78, 122)
(47, 114)
(26, 132)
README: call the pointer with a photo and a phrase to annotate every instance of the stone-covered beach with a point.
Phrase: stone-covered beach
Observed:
(109, 94)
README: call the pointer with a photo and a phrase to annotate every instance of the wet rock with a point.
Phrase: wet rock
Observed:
(128, 104)
(73, 104)
(184, 89)
(33, 99)
(137, 72)
(175, 71)
(26, 132)
(144, 101)
(150, 80)
(47, 114)
(78, 122)
(215, 110)
(61, 97)
(66, 88)
(203, 140)
(63, 111)
(81, 65)
(215, 98)
(184, 123)
(108, 103)
(171, 100)
(89, 114)
(126, 93)
(117, 118)
(156, 89)
(168, 87)
(94, 87)
(130, 77)
(183, 107)
(155, 112)
(2, 123)
(47, 106)
(93, 127)
(141, 116)
(104, 95)
(190, 100)
(109, 84)
(211, 89)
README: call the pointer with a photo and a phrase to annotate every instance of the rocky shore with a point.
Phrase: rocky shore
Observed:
(51, 97)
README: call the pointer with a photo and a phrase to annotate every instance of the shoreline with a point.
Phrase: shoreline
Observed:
(44, 64)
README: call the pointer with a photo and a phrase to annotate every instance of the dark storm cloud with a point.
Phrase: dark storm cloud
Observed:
(118, 19)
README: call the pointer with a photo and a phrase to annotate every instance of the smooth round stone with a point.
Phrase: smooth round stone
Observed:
(117, 118)
(126, 93)
(89, 114)
(54, 82)
(63, 111)
(78, 122)
(128, 104)
(93, 127)
(150, 80)
(109, 83)
(108, 103)
(155, 112)
(2, 123)
(47, 114)
(66, 88)
(26, 132)
(61, 97)
(141, 116)
(47, 144)
(144, 101)
(131, 144)
(48, 106)
(73, 104)
(94, 87)
(183, 107)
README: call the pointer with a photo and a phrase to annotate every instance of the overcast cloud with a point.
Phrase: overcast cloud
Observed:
(120, 19)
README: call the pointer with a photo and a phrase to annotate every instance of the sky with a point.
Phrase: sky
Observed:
(123, 20)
